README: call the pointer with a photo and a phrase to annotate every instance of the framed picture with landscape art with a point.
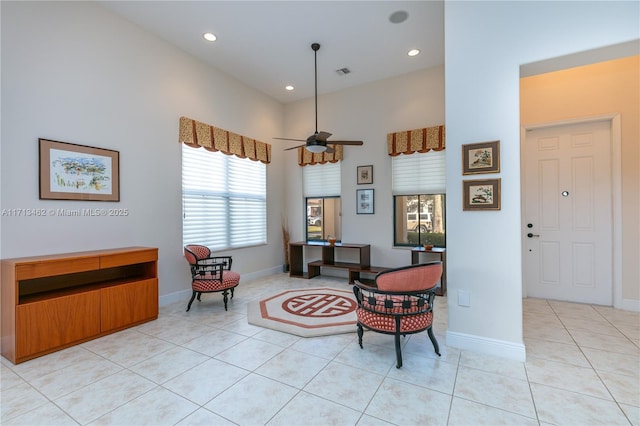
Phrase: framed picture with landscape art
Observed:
(77, 172)
(481, 157)
(481, 194)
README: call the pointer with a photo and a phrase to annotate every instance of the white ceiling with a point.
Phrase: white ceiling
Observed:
(267, 44)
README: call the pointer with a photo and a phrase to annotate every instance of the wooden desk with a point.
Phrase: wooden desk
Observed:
(296, 258)
(442, 253)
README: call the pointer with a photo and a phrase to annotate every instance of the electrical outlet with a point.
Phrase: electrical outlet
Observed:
(464, 298)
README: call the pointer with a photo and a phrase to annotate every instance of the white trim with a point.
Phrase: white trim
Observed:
(630, 305)
(485, 345)
(616, 194)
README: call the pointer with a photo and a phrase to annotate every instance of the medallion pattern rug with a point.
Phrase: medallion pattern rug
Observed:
(306, 312)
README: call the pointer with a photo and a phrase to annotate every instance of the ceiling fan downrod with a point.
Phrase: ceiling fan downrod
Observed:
(316, 47)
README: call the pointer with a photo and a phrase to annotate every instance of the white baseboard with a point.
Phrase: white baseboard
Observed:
(184, 295)
(630, 305)
(485, 345)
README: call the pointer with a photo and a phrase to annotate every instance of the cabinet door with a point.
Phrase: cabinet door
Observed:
(128, 304)
(49, 324)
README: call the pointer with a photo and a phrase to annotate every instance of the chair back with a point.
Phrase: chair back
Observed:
(410, 278)
(195, 252)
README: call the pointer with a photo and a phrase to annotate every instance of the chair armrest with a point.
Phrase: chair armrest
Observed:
(225, 261)
(364, 286)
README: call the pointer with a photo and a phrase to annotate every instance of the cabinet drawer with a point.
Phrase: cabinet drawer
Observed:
(56, 267)
(127, 304)
(53, 323)
(128, 258)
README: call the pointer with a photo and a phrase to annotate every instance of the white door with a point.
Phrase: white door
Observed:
(567, 221)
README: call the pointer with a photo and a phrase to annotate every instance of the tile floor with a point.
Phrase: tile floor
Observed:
(210, 367)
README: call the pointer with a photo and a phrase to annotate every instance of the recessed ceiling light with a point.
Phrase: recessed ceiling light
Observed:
(413, 52)
(398, 17)
(289, 88)
(209, 37)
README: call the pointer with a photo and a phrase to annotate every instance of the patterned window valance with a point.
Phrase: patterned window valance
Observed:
(309, 158)
(196, 134)
(417, 140)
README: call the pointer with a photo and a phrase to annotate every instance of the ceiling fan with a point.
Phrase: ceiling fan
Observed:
(317, 142)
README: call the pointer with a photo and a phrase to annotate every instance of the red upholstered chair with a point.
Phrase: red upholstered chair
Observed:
(400, 303)
(210, 274)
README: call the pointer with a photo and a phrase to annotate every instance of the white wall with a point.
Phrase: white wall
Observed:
(366, 113)
(75, 72)
(485, 44)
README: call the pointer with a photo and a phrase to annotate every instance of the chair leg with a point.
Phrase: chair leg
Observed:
(398, 351)
(193, 296)
(360, 333)
(225, 298)
(199, 295)
(434, 341)
(232, 293)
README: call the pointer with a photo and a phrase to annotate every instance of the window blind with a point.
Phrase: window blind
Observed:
(224, 200)
(419, 173)
(321, 180)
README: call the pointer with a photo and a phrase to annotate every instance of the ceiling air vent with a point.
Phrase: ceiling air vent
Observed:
(343, 71)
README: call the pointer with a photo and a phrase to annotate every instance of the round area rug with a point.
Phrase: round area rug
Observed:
(307, 312)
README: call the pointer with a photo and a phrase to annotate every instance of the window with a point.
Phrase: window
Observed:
(224, 200)
(323, 205)
(419, 199)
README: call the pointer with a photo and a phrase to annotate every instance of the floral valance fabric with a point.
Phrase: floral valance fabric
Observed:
(195, 133)
(417, 140)
(306, 158)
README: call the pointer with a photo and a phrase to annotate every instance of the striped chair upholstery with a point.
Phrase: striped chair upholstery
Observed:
(400, 302)
(210, 273)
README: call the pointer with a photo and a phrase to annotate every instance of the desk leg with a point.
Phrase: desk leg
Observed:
(313, 270)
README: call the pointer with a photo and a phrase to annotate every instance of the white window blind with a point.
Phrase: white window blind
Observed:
(321, 180)
(224, 200)
(419, 173)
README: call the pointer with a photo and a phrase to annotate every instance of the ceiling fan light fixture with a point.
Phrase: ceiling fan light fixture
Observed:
(316, 148)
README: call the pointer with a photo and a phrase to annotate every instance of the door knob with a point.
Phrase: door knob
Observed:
(530, 235)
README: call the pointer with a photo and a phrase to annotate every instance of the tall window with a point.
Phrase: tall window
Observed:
(419, 199)
(224, 200)
(321, 187)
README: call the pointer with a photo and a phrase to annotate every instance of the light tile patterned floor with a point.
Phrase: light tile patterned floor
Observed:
(210, 367)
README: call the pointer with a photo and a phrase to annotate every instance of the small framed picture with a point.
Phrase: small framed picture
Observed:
(364, 201)
(481, 158)
(365, 175)
(482, 194)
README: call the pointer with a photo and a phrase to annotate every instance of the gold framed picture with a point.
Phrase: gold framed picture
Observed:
(77, 172)
(481, 194)
(481, 157)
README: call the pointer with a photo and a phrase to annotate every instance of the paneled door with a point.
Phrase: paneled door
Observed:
(567, 221)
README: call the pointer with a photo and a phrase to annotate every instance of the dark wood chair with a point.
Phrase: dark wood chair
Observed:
(210, 274)
(399, 303)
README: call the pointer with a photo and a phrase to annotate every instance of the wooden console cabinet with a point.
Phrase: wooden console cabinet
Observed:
(56, 301)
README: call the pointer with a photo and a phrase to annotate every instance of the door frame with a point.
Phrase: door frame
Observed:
(616, 195)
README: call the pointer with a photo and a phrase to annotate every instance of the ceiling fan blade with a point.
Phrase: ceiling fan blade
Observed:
(330, 150)
(287, 139)
(346, 142)
(322, 136)
(294, 147)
